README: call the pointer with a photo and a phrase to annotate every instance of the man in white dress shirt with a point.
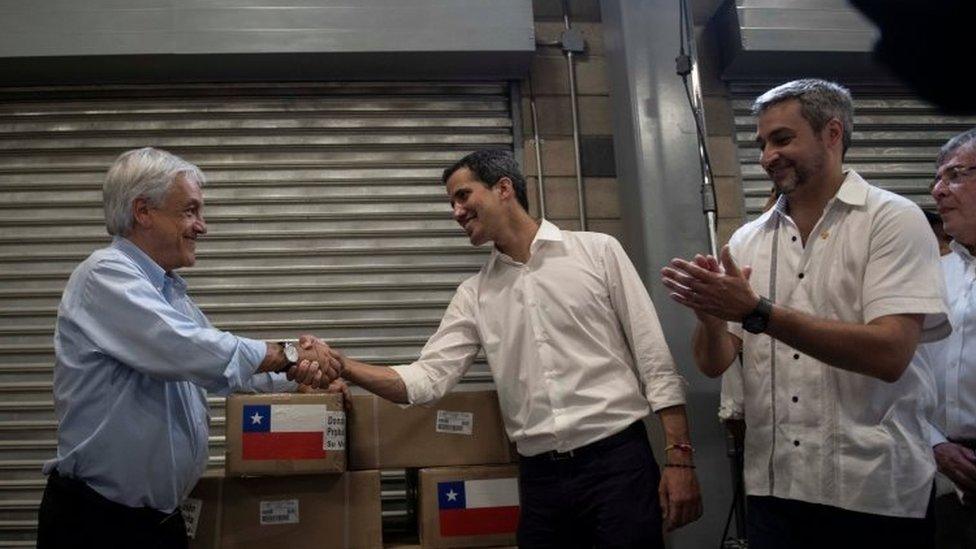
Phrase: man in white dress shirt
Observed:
(839, 282)
(953, 360)
(579, 359)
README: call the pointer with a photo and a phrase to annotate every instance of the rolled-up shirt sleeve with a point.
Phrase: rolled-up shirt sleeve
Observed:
(662, 384)
(131, 322)
(448, 353)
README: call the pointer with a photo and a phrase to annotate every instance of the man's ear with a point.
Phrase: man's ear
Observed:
(140, 212)
(506, 189)
(833, 132)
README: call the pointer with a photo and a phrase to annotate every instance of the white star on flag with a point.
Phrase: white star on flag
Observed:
(451, 496)
(256, 419)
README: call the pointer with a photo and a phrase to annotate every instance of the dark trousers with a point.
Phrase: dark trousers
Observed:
(602, 495)
(776, 523)
(74, 515)
(955, 523)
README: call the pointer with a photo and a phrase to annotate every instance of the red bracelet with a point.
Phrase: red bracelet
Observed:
(680, 465)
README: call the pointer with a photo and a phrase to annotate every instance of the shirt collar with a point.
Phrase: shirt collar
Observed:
(853, 191)
(961, 251)
(547, 232)
(156, 274)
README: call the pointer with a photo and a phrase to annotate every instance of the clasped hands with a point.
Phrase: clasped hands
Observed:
(318, 364)
(714, 288)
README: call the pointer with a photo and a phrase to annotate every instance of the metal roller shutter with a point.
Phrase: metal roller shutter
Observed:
(895, 142)
(325, 211)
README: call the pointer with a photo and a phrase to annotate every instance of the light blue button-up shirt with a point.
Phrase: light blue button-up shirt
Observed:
(134, 356)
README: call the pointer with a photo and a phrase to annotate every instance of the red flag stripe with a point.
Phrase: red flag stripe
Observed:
(477, 522)
(284, 445)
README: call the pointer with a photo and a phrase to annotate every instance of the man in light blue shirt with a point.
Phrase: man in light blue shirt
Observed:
(135, 359)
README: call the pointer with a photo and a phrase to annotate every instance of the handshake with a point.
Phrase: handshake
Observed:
(317, 365)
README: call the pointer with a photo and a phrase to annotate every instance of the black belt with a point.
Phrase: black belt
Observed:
(86, 495)
(634, 430)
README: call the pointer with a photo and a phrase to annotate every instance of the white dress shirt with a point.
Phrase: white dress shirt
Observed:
(820, 434)
(952, 361)
(572, 340)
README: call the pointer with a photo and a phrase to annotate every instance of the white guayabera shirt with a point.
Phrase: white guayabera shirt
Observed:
(820, 434)
(572, 340)
(952, 361)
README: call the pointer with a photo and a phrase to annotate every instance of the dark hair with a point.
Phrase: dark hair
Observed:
(490, 165)
(820, 101)
(966, 138)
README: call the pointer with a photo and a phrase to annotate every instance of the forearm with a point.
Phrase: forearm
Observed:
(713, 347)
(674, 422)
(379, 380)
(881, 349)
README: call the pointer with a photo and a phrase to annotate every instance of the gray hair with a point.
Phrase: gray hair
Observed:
(820, 101)
(141, 173)
(965, 139)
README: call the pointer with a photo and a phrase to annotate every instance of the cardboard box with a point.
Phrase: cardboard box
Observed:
(468, 506)
(463, 428)
(201, 512)
(285, 434)
(340, 511)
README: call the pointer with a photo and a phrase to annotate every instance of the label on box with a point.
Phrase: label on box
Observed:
(283, 511)
(191, 515)
(458, 423)
(335, 432)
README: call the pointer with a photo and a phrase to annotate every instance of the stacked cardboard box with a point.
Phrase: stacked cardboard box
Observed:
(457, 443)
(286, 483)
(287, 512)
(463, 428)
(469, 506)
(285, 434)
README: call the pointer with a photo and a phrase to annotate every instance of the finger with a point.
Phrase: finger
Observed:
(679, 293)
(693, 270)
(747, 272)
(728, 263)
(310, 374)
(665, 504)
(680, 277)
(305, 341)
(713, 264)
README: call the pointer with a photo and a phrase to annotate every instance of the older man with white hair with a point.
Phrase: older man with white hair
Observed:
(952, 361)
(134, 359)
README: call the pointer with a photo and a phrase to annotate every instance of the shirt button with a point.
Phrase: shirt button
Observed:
(794, 239)
(796, 443)
(796, 399)
(796, 356)
(800, 276)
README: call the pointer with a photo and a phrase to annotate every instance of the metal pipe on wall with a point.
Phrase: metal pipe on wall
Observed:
(571, 69)
(540, 186)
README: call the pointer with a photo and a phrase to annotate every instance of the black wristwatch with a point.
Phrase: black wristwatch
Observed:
(757, 321)
(291, 354)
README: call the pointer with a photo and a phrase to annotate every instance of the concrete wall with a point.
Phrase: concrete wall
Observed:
(550, 84)
(719, 122)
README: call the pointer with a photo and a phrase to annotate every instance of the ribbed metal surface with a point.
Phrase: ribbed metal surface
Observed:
(895, 142)
(325, 210)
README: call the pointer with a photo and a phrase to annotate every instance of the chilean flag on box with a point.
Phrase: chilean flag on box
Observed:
(478, 507)
(283, 431)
